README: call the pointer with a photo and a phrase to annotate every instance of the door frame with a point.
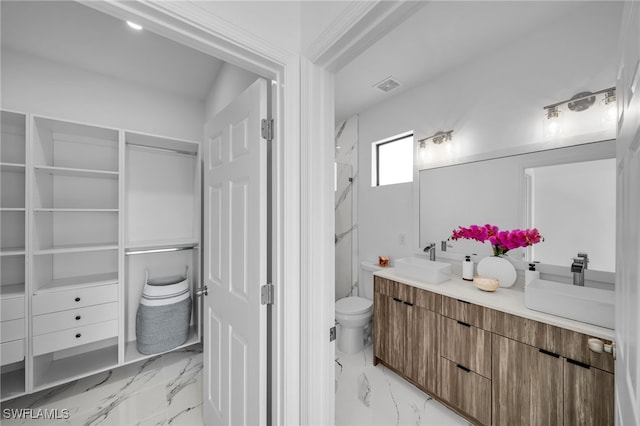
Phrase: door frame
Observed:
(302, 197)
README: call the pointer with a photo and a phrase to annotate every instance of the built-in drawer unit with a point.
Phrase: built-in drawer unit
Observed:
(466, 390)
(11, 352)
(466, 345)
(72, 337)
(12, 330)
(63, 320)
(11, 308)
(62, 300)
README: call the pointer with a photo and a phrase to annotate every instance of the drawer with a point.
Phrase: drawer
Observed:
(12, 330)
(56, 321)
(12, 308)
(466, 345)
(428, 300)
(467, 391)
(11, 352)
(575, 346)
(524, 330)
(55, 301)
(77, 336)
(460, 310)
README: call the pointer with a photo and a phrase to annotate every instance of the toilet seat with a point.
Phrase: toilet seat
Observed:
(353, 305)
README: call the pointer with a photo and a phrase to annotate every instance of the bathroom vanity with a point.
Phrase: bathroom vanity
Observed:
(488, 357)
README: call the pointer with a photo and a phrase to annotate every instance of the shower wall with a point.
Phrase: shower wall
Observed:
(346, 206)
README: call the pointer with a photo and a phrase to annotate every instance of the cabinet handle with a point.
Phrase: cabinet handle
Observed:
(464, 323)
(578, 363)
(408, 303)
(548, 353)
(463, 301)
(463, 368)
(77, 299)
(78, 335)
(78, 317)
(397, 300)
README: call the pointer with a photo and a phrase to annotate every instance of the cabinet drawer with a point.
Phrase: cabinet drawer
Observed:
(12, 330)
(524, 330)
(467, 391)
(44, 303)
(428, 300)
(575, 346)
(59, 340)
(466, 345)
(12, 308)
(48, 323)
(467, 312)
(11, 352)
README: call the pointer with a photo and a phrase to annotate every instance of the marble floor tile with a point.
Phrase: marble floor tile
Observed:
(368, 395)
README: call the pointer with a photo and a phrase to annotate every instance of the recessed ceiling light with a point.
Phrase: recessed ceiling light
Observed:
(135, 26)
(388, 84)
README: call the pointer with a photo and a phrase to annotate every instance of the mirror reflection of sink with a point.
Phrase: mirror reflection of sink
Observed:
(431, 271)
(591, 305)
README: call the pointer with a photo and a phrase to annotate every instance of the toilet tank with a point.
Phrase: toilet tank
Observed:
(367, 268)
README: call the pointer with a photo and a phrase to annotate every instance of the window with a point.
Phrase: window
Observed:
(392, 160)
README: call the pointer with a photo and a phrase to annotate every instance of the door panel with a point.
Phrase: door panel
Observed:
(235, 259)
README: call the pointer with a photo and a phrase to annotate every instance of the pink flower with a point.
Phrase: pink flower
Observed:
(502, 241)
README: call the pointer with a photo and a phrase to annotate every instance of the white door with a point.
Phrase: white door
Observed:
(235, 242)
(628, 223)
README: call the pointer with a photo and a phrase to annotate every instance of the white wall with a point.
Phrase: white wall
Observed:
(229, 83)
(494, 103)
(35, 85)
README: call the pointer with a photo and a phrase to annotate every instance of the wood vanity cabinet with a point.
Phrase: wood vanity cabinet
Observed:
(406, 331)
(492, 367)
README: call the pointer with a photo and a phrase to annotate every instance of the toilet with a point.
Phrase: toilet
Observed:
(354, 314)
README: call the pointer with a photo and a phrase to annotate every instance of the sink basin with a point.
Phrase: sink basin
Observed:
(591, 305)
(424, 270)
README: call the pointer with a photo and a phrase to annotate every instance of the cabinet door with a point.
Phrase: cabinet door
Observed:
(527, 384)
(421, 350)
(588, 395)
(380, 321)
(396, 335)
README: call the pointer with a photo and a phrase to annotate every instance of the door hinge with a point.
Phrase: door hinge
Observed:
(267, 129)
(332, 333)
(266, 294)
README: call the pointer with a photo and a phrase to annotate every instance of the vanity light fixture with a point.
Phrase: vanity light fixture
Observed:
(553, 123)
(135, 26)
(610, 106)
(437, 138)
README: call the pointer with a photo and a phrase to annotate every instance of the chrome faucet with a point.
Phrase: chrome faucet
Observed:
(431, 249)
(578, 267)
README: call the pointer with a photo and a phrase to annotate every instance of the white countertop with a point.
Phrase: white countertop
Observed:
(509, 300)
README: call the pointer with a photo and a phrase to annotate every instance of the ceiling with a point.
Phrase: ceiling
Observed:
(438, 37)
(70, 33)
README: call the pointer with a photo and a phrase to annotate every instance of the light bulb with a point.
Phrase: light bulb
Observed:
(552, 126)
(609, 108)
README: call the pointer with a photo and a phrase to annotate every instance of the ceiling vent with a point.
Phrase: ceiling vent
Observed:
(388, 84)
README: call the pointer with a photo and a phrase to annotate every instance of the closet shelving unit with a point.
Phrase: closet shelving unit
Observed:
(13, 239)
(162, 223)
(85, 210)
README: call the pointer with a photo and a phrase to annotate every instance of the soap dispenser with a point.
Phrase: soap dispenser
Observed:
(531, 274)
(467, 269)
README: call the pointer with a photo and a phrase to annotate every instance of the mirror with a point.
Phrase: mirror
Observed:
(567, 193)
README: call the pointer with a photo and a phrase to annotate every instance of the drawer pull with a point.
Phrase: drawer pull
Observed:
(463, 301)
(549, 353)
(578, 363)
(78, 317)
(397, 300)
(464, 323)
(463, 368)
(408, 303)
(77, 299)
(78, 335)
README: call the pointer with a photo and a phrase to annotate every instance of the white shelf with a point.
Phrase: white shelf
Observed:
(12, 251)
(12, 384)
(83, 281)
(12, 209)
(67, 210)
(161, 244)
(12, 167)
(11, 291)
(67, 171)
(132, 355)
(80, 248)
(67, 369)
